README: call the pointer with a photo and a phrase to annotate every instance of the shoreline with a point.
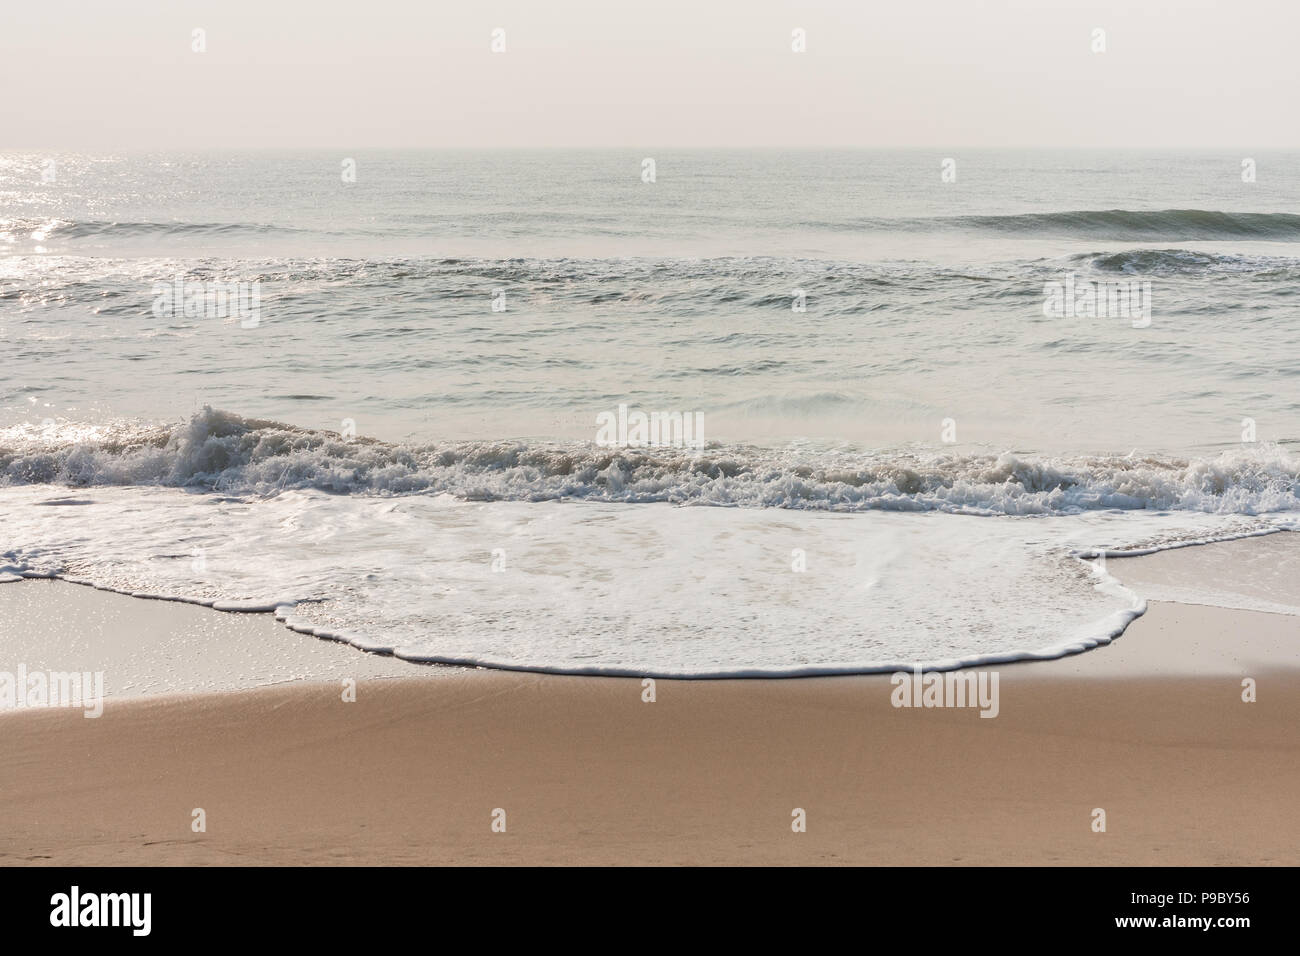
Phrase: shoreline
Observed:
(233, 714)
(35, 625)
(1151, 729)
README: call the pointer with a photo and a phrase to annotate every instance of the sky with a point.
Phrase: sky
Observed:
(662, 73)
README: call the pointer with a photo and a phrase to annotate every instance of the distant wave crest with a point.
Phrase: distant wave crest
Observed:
(1110, 224)
(1101, 224)
(41, 229)
(1152, 224)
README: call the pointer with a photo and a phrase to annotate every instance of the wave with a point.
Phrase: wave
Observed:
(39, 230)
(719, 289)
(1186, 262)
(1159, 224)
(223, 452)
(1114, 224)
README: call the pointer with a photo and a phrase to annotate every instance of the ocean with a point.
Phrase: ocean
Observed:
(929, 395)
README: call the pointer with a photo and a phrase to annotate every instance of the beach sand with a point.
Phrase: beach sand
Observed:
(1152, 729)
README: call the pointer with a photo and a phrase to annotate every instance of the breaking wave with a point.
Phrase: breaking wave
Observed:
(224, 452)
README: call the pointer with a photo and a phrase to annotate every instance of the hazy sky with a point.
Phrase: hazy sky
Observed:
(347, 74)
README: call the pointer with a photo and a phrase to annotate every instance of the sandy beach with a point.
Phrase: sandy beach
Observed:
(731, 434)
(1152, 729)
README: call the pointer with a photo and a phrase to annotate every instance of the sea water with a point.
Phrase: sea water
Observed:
(381, 421)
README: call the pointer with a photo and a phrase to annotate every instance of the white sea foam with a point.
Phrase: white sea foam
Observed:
(223, 452)
(600, 587)
(909, 556)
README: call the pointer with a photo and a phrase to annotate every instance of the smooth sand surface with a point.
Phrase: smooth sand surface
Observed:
(1257, 573)
(166, 647)
(587, 772)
